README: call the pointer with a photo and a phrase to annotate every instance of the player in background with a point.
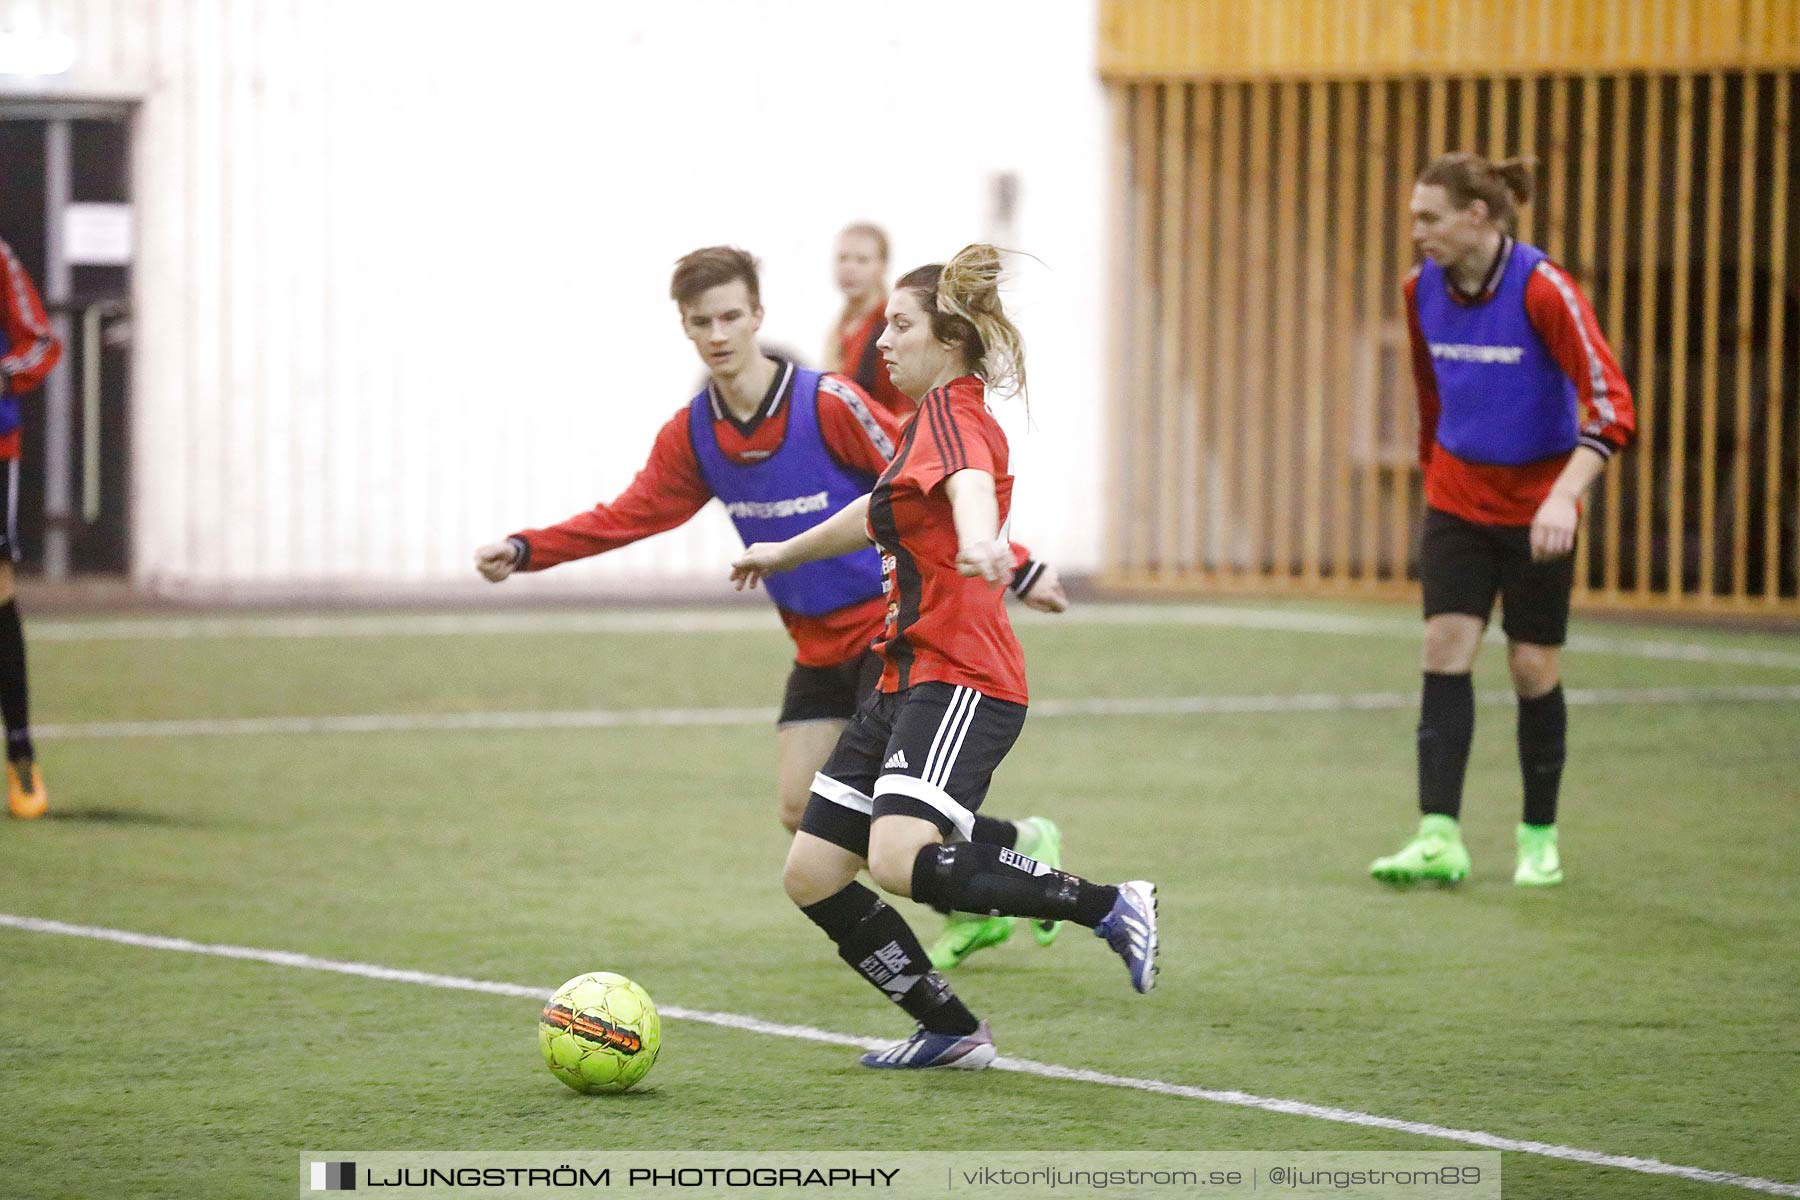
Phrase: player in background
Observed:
(1521, 404)
(28, 351)
(862, 263)
(783, 447)
(900, 792)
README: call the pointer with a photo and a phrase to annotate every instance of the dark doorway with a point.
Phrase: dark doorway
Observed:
(67, 190)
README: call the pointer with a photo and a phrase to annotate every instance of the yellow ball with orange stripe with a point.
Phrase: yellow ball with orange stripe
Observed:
(599, 1033)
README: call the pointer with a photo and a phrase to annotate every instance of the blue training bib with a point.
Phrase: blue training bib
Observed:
(795, 488)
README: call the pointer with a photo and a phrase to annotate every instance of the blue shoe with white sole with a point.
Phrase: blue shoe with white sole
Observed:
(925, 1049)
(1130, 929)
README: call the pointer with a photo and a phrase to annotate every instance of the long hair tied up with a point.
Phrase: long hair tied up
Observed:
(962, 297)
(1503, 186)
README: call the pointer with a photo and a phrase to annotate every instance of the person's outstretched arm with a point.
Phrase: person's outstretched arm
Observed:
(667, 492)
(840, 533)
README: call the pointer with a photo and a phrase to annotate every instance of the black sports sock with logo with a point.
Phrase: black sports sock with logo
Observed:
(1446, 727)
(991, 831)
(977, 878)
(14, 704)
(1543, 746)
(878, 944)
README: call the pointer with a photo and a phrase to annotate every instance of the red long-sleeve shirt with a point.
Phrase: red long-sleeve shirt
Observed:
(1563, 319)
(32, 349)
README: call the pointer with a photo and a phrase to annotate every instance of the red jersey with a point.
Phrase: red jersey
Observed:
(1492, 494)
(942, 626)
(860, 360)
(31, 348)
(670, 489)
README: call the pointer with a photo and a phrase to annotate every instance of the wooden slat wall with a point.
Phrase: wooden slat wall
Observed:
(1648, 301)
(1267, 416)
(1618, 226)
(1681, 381)
(1377, 300)
(1168, 464)
(1387, 445)
(1780, 382)
(1143, 40)
(1228, 267)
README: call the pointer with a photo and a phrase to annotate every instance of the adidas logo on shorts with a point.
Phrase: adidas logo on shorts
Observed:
(896, 761)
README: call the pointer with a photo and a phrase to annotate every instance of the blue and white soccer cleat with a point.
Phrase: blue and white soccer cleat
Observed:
(1130, 929)
(923, 1049)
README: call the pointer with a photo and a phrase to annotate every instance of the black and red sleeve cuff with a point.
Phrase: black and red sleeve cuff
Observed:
(1026, 577)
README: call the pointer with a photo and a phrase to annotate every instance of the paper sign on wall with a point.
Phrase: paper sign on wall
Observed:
(97, 235)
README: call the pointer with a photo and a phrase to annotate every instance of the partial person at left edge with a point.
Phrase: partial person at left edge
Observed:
(28, 352)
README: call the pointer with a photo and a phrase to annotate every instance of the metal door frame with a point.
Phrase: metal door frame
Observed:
(60, 515)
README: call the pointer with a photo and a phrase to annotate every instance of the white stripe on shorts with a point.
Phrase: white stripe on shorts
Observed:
(968, 722)
(841, 793)
(951, 731)
(931, 794)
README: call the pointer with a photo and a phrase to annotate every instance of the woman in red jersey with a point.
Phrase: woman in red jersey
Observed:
(862, 263)
(900, 792)
(852, 350)
(1521, 404)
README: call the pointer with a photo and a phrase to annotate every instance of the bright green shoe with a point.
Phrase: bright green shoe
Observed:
(1436, 853)
(1539, 863)
(964, 934)
(1039, 838)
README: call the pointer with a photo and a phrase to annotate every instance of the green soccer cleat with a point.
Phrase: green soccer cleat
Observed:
(1040, 839)
(1436, 853)
(964, 934)
(1539, 863)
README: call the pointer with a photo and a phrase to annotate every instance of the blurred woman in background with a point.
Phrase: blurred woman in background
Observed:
(862, 263)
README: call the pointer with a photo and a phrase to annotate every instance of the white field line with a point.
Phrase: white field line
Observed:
(639, 718)
(164, 629)
(598, 718)
(737, 620)
(1022, 1066)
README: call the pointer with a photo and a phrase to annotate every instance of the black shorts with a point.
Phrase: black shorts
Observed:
(928, 752)
(1464, 565)
(829, 693)
(10, 550)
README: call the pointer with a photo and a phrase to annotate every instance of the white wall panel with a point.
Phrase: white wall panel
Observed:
(403, 268)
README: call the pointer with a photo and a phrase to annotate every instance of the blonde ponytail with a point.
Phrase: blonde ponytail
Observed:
(969, 288)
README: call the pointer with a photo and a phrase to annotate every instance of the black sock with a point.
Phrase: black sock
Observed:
(14, 706)
(877, 943)
(991, 831)
(1446, 727)
(1543, 745)
(977, 878)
